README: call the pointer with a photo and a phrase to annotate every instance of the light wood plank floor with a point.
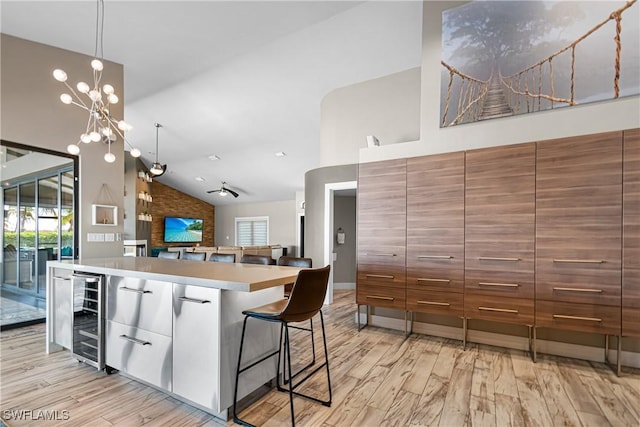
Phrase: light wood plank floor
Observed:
(378, 377)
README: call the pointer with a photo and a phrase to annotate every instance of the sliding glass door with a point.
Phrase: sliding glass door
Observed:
(38, 195)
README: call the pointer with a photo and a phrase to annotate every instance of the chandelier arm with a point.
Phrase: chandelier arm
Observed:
(76, 95)
(115, 128)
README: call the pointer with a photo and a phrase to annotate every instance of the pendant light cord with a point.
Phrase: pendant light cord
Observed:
(99, 30)
(158, 126)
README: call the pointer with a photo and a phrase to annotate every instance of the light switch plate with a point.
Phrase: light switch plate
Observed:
(95, 237)
(109, 237)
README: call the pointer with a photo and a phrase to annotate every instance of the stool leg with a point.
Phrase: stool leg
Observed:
(284, 371)
(326, 356)
(235, 389)
(287, 351)
(313, 343)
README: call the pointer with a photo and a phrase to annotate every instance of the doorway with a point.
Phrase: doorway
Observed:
(333, 190)
(39, 197)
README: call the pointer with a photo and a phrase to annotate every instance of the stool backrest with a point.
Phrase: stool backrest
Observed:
(292, 261)
(194, 256)
(257, 259)
(168, 255)
(307, 295)
(223, 257)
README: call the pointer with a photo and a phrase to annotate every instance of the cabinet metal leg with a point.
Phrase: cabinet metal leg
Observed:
(464, 333)
(532, 343)
(617, 369)
(360, 326)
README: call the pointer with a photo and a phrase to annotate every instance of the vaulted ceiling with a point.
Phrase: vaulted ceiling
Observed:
(241, 80)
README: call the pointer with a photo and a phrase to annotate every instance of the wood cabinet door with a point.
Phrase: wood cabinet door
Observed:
(578, 219)
(500, 222)
(382, 213)
(631, 234)
(435, 233)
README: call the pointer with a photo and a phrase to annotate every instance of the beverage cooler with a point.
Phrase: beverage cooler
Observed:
(88, 319)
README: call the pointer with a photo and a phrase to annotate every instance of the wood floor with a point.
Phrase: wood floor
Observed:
(378, 378)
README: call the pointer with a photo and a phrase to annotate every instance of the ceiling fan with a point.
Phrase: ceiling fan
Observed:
(223, 191)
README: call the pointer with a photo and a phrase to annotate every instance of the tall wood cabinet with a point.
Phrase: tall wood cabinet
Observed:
(631, 235)
(500, 231)
(579, 233)
(381, 228)
(435, 234)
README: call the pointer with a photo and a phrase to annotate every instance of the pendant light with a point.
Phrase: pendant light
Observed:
(156, 168)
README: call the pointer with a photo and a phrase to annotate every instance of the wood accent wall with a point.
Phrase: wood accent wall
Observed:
(168, 201)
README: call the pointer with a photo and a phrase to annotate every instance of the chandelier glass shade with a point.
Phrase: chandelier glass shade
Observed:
(97, 101)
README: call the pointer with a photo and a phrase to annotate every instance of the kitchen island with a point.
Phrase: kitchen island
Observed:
(172, 324)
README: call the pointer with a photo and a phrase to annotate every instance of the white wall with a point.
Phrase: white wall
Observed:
(32, 114)
(282, 222)
(386, 107)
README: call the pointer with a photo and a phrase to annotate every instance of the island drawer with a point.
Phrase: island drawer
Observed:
(141, 354)
(144, 304)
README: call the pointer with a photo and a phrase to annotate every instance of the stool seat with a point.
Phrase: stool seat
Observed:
(272, 311)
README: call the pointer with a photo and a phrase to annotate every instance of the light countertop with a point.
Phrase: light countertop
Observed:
(220, 275)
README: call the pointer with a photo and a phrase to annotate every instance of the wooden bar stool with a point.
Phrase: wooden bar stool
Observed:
(305, 301)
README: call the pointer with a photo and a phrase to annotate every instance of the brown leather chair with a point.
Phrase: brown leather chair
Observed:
(292, 261)
(168, 255)
(257, 259)
(304, 303)
(194, 256)
(223, 257)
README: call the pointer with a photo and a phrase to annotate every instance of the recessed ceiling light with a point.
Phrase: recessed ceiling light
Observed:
(281, 154)
(200, 179)
(214, 157)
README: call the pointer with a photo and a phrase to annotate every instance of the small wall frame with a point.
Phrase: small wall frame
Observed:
(104, 215)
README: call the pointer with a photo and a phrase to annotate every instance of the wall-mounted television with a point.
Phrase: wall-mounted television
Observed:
(182, 230)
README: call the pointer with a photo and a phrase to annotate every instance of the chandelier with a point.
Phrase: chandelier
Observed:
(101, 126)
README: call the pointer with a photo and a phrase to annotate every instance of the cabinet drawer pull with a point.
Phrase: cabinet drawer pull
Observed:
(380, 276)
(137, 291)
(382, 298)
(135, 340)
(197, 301)
(85, 278)
(588, 319)
(500, 285)
(62, 278)
(580, 261)
(380, 255)
(592, 291)
(444, 304)
(489, 258)
(434, 257)
(424, 279)
(500, 310)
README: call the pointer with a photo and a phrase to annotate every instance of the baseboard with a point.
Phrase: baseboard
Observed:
(345, 285)
(575, 351)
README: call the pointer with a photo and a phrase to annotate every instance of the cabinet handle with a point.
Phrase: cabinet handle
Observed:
(594, 291)
(382, 298)
(588, 319)
(87, 279)
(137, 291)
(580, 261)
(490, 258)
(422, 279)
(380, 255)
(501, 285)
(135, 340)
(500, 310)
(445, 304)
(380, 276)
(62, 278)
(434, 257)
(198, 301)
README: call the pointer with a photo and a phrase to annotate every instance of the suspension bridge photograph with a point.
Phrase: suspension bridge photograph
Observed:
(503, 58)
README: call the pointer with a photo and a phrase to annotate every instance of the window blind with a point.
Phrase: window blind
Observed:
(252, 231)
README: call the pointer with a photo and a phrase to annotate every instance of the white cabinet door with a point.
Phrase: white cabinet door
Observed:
(196, 327)
(144, 304)
(62, 297)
